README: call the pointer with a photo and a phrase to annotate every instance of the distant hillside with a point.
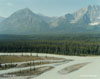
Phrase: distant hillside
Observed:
(1, 19)
(23, 22)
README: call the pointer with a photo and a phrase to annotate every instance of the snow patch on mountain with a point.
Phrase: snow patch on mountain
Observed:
(95, 23)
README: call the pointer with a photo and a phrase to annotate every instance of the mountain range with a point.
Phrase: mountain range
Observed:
(26, 22)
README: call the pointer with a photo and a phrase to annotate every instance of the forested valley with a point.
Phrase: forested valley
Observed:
(76, 45)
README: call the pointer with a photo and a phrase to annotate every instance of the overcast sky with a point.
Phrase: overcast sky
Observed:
(45, 7)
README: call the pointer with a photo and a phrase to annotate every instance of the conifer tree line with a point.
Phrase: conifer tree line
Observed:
(64, 47)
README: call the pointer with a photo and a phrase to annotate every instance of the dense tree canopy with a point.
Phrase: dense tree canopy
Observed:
(65, 47)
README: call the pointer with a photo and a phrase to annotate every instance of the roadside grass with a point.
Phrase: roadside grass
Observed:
(11, 59)
(29, 72)
(72, 68)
